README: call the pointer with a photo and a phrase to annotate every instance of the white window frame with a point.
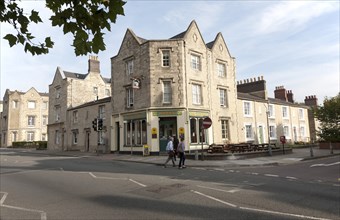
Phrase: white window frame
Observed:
(221, 70)
(195, 62)
(271, 110)
(129, 97)
(167, 92)
(165, 58)
(75, 137)
(247, 109)
(31, 104)
(286, 131)
(129, 67)
(196, 94)
(272, 132)
(285, 113)
(223, 97)
(57, 93)
(249, 132)
(75, 116)
(225, 129)
(302, 132)
(31, 120)
(101, 111)
(57, 113)
(301, 114)
(30, 136)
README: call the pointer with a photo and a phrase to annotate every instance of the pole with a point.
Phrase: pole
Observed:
(269, 147)
(202, 142)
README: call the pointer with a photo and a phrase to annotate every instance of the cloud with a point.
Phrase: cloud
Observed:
(289, 15)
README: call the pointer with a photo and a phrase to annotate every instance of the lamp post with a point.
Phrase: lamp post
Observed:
(269, 147)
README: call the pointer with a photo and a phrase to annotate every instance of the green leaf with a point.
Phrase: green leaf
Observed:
(35, 17)
(12, 40)
(49, 43)
(28, 47)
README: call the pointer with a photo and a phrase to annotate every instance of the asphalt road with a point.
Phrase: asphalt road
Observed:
(53, 187)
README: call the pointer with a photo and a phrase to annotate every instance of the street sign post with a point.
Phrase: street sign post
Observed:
(205, 125)
(283, 141)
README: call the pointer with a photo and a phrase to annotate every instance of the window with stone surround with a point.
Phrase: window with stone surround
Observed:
(221, 70)
(129, 67)
(165, 58)
(223, 97)
(31, 120)
(196, 94)
(30, 136)
(195, 62)
(167, 92)
(129, 97)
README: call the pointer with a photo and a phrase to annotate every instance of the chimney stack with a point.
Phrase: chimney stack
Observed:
(290, 96)
(94, 64)
(280, 93)
(311, 101)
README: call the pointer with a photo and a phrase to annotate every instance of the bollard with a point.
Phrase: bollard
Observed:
(196, 155)
(311, 151)
(331, 147)
(270, 150)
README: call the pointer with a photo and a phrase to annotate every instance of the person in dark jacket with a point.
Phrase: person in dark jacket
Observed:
(175, 142)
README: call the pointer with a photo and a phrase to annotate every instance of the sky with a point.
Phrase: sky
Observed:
(294, 44)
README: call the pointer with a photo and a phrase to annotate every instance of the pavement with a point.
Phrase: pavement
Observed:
(296, 155)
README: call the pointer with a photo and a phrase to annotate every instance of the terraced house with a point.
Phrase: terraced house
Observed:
(24, 117)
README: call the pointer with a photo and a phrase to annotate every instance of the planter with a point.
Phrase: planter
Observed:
(326, 145)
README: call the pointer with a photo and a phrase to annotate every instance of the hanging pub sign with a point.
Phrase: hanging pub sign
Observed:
(135, 84)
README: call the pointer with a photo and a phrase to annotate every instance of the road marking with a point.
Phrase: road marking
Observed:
(222, 190)
(218, 169)
(283, 213)
(43, 215)
(271, 175)
(325, 165)
(215, 199)
(3, 197)
(106, 178)
(137, 182)
(291, 177)
(259, 210)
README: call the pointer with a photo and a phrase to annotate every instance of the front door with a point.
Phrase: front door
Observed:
(260, 134)
(167, 128)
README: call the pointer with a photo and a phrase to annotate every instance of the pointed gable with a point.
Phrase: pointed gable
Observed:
(130, 40)
(219, 44)
(192, 34)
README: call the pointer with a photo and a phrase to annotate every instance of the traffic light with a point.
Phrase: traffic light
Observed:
(100, 124)
(95, 124)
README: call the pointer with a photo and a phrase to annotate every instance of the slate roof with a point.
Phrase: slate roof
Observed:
(74, 75)
(96, 102)
(247, 96)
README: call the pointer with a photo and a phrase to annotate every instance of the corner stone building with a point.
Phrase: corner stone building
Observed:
(69, 126)
(162, 88)
(24, 116)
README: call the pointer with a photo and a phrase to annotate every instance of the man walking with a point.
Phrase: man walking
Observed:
(170, 151)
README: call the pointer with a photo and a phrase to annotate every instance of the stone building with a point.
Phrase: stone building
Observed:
(66, 123)
(167, 87)
(84, 138)
(24, 116)
(257, 112)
